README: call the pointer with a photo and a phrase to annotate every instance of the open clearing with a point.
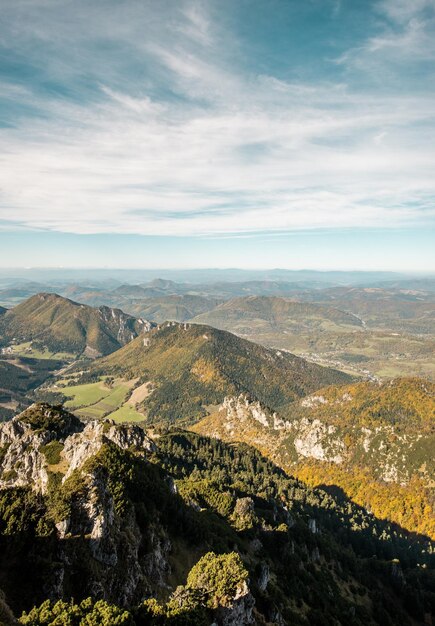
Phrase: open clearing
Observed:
(84, 395)
(97, 400)
(27, 350)
(140, 393)
(126, 413)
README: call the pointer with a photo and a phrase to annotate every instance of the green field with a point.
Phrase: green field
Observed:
(26, 350)
(126, 413)
(85, 395)
(96, 401)
(112, 401)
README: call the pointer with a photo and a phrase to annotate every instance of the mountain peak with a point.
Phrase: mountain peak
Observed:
(193, 366)
(62, 325)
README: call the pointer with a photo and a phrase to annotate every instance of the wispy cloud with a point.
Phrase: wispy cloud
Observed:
(170, 133)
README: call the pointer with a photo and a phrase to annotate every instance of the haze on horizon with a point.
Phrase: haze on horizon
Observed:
(205, 133)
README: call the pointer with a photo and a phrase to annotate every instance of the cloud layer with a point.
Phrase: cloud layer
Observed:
(154, 118)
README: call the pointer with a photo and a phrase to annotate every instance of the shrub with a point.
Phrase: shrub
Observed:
(52, 452)
(219, 576)
(84, 614)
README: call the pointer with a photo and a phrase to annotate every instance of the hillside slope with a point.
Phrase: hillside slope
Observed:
(263, 314)
(193, 366)
(406, 310)
(60, 325)
(360, 331)
(171, 307)
(187, 530)
(374, 441)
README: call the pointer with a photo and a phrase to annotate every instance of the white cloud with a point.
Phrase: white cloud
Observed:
(404, 38)
(226, 152)
(402, 11)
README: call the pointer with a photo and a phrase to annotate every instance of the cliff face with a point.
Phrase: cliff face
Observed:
(25, 458)
(304, 433)
(47, 450)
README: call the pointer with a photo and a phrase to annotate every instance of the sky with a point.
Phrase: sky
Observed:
(218, 133)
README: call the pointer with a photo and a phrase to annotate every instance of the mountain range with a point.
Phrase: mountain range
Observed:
(192, 366)
(395, 337)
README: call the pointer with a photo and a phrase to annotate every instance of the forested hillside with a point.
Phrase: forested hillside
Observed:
(61, 325)
(193, 366)
(188, 530)
(374, 441)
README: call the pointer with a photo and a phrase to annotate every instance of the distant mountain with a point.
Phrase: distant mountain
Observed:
(369, 332)
(193, 366)
(136, 291)
(257, 315)
(414, 284)
(374, 441)
(186, 530)
(62, 325)
(163, 284)
(17, 292)
(232, 289)
(196, 276)
(368, 294)
(406, 310)
(173, 307)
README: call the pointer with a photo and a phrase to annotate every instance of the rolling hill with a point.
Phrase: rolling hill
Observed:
(192, 367)
(256, 315)
(178, 308)
(62, 325)
(364, 332)
(404, 310)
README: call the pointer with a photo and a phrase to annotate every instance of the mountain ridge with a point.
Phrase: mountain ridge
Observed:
(372, 440)
(60, 324)
(193, 366)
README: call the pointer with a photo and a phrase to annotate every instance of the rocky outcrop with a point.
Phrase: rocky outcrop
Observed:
(264, 577)
(240, 410)
(79, 447)
(23, 460)
(301, 436)
(124, 569)
(240, 611)
(125, 327)
(317, 440)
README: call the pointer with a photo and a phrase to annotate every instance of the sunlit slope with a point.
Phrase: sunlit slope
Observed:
(374, 441)
(194, 366)
(60, 324)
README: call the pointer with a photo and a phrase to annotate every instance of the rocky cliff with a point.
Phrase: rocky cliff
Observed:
(352, 436)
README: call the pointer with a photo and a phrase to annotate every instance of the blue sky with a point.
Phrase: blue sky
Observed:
(250, 133)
